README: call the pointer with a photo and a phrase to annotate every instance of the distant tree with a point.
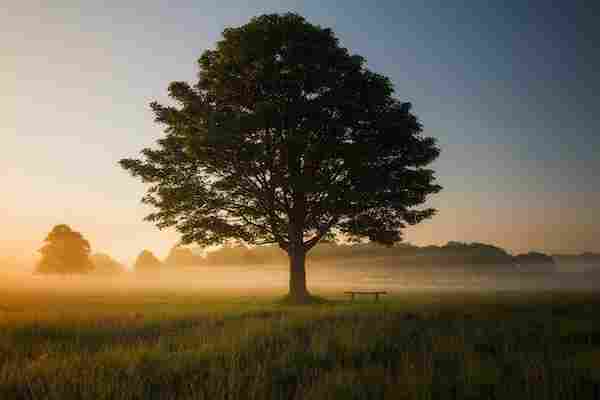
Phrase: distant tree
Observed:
(182, 257)
(286, 138)
(147, 262)
(106, 265)
(233, 254)
(583, 259)
(459, 253)
(534, 259)
(65, 252)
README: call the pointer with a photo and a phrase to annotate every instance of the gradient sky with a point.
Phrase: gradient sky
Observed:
(511, 90)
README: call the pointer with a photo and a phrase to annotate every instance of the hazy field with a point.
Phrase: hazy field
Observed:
(188, 336)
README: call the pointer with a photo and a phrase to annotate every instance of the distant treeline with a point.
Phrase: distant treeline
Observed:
(66, 252)
(583, 258)
(452, 254)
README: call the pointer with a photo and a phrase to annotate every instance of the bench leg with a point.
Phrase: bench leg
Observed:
(352, 297)
(376, 297)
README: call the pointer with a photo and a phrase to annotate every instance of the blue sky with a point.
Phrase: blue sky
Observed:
(510, 89)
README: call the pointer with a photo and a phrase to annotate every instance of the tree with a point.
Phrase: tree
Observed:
(183, 257)
(286, 138)
(106, 265)
(535, 259)
(65, 252)
(147, 262)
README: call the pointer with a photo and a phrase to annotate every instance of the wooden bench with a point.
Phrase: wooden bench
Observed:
(375, 293)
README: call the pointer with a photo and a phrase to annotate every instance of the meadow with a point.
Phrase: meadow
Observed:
(244, 344)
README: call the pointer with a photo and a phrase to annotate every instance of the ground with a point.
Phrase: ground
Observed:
(157, 344)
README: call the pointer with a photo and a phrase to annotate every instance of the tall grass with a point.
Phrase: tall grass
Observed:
(417, 346)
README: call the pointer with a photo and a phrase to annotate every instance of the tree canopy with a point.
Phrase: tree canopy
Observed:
(146, 261)
(104, 264)
(286, 138)
(534, 258)
(65, 252)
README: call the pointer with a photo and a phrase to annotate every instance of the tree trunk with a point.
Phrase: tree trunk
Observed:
(298, 292)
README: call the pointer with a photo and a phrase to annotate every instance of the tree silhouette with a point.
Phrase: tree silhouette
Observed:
(183, 257)
(65, 252)
(147, 262)
(534, 258)
(106, 265)
(286, 138)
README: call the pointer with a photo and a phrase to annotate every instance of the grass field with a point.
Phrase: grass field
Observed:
(157, 344)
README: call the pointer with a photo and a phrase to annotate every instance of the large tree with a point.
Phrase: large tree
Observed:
(286, 138)
(65, 252)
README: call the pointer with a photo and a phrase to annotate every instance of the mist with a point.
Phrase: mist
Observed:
(331, 277)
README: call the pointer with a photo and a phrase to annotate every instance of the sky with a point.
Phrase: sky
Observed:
(510, 90)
